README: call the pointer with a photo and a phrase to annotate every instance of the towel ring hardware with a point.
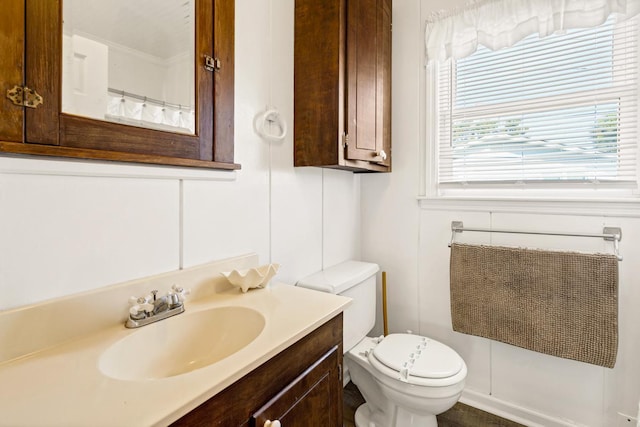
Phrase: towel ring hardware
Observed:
(610, 234)
(271, 116)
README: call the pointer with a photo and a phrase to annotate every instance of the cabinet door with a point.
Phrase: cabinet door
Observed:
(43, 69)
(223, 81)
(368, 121)
(319, 40)
(11, 67)
(310, 400)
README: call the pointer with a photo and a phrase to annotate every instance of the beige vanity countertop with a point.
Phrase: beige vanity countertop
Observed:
(63, 386)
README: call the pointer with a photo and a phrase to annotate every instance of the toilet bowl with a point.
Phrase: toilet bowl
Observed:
(405, 379)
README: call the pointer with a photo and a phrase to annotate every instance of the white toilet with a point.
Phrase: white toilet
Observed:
(406, 379)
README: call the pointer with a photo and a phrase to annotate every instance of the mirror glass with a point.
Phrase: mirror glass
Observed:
(131, 62)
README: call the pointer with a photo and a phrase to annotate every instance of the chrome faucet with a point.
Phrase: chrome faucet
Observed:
(150, 309)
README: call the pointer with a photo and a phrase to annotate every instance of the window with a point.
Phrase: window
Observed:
(561, 109)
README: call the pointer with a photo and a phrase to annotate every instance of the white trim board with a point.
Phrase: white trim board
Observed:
(601, 208)
(511, 411)
(13, 165)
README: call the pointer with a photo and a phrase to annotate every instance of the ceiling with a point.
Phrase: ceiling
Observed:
(162, 28)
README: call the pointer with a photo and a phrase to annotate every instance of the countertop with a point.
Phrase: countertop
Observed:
(63, 385)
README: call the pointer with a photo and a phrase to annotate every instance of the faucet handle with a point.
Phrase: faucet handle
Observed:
(177, 295)
(147, 307)
(139, 300)
(140, 307)
(180, 292)
(136, 309)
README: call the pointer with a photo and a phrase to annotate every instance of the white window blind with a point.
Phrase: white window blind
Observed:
(558, 109)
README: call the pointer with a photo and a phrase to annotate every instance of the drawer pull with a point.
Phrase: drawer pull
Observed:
(270, 423)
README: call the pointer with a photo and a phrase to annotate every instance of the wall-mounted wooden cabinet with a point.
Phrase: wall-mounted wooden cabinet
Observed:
(300, 387)
(31, 42)
(342, 87)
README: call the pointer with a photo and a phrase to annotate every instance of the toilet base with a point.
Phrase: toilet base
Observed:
(366, 417)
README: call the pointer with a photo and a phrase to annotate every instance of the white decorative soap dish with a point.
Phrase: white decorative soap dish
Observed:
(253, 277)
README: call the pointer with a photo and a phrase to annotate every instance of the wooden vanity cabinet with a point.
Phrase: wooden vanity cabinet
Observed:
(300, 387)
(31, 46)
(342, 84)
(309, 400)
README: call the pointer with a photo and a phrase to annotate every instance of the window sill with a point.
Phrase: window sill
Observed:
(611, 207)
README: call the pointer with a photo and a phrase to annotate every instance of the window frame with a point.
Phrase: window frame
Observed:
(531, 190)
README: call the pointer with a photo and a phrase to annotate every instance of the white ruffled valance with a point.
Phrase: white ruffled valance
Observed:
(501, 23)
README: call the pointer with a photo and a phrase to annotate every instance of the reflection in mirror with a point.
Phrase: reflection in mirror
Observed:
(130, 62)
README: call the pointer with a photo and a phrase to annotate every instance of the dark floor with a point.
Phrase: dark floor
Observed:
(460, 415)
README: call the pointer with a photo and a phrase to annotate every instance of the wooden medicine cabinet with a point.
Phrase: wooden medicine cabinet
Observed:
(342, 84)
(191, 125)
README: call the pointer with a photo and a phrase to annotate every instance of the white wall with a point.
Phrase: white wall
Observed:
(139, 73)
(69, 226)
(91, 67)
(85, 76)
(409, 241)
(170, 80)
(178, 85)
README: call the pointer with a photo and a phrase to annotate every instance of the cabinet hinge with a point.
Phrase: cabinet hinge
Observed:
(340, 372)
(212, 64)
(24, 96)
(345, 140)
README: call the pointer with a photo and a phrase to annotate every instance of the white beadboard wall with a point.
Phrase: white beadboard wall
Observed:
(68, 226)
(71, 226)
(409, 240)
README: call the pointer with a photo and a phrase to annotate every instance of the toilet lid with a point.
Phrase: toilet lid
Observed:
(417, 356)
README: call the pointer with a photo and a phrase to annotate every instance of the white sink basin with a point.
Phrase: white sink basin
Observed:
(181, 344)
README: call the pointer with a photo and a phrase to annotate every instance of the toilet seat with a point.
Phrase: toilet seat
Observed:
(417, 360)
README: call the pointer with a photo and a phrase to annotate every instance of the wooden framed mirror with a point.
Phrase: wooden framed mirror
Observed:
(57, 128)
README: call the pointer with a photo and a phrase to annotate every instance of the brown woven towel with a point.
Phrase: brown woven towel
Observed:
(559, 303)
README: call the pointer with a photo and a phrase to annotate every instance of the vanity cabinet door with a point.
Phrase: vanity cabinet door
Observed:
(33, 58)
(309, 401)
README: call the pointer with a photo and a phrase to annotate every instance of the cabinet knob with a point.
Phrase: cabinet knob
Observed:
(382, 154)
(270, 423)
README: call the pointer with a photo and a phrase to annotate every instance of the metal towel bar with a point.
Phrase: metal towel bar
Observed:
(611, 234)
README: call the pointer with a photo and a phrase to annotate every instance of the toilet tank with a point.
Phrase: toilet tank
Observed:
(356, 280)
